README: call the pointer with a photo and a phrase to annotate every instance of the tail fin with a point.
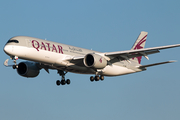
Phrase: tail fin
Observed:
(139, 44)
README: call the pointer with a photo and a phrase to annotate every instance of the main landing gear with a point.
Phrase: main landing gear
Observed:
(63, 81)
(96, 78)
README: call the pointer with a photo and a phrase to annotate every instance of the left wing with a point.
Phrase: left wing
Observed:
(145, 66)
(126, 55)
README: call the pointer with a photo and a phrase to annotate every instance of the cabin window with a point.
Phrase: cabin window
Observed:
(14, 41)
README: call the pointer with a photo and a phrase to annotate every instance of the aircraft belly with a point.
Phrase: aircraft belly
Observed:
(115, 70)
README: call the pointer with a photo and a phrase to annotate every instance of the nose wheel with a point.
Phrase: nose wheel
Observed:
(15, 66)
(63, 81)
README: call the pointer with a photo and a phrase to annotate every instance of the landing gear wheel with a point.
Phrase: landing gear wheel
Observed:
(63, 82)
(14, 66)
(68, 81)
(58, 82)
(91, 78)
(96, 78)
(102, 78)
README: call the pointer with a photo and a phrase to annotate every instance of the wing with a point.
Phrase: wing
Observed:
(145, 66)
(126, 55)
(122, 55)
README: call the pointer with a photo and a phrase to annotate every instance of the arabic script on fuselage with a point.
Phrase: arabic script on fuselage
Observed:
(75, 49)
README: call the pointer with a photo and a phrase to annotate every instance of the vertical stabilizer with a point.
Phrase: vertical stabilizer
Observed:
(139, 44)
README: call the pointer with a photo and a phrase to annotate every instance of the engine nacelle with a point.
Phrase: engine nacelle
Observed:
(28, 69)
(95, 61)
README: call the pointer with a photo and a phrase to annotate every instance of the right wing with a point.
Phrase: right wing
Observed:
(122, 55)
(126, 55)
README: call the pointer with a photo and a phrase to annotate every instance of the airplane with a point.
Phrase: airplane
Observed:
(44, 54)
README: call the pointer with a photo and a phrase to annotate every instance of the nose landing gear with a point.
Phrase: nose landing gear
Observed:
(15, 66)
(63, 81)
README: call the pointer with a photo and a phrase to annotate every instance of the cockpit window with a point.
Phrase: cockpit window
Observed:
(15, 41)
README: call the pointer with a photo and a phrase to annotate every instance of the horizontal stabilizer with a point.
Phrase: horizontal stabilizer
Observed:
(144, 66)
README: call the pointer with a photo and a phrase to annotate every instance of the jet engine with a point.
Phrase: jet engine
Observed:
(28, 69)
(95, 61)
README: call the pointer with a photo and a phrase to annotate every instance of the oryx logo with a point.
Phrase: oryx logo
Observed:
(100, 60)
(138, 46)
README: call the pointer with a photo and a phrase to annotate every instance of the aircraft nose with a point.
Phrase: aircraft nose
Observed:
(8, 49)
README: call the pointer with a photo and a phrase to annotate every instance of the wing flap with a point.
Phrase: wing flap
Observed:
(130, 52)
(133, 55)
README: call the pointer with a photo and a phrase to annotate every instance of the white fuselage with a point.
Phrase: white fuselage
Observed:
(57, 56)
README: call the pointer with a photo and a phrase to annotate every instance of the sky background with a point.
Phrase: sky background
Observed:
(101, 25)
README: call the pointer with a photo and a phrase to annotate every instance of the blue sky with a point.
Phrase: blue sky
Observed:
(101, 25)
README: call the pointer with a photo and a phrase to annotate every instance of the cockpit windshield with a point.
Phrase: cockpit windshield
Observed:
(13, 41)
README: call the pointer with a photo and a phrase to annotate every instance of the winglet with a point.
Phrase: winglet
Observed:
(6, 62)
